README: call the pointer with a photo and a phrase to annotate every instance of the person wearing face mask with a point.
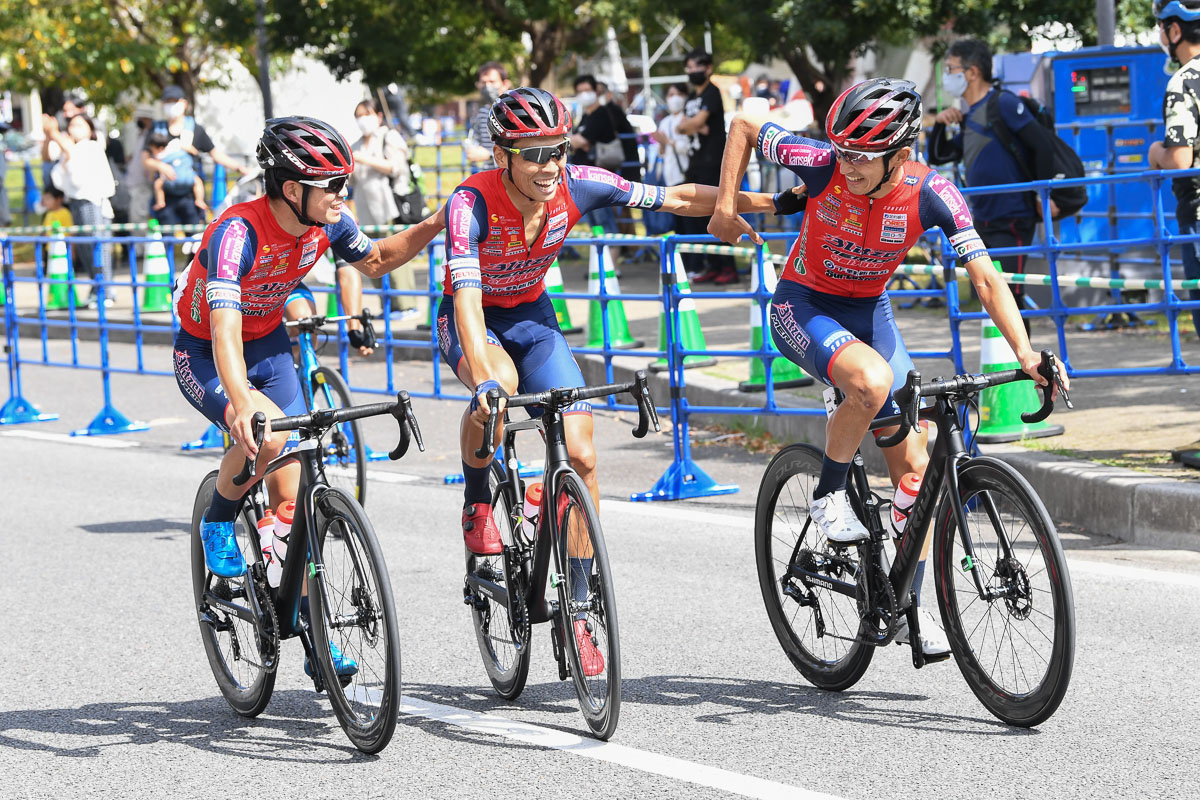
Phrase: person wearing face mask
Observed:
(1002, 220)
(704, 121)
(673, 148)
(141, 191)
(380, 162)
(491, 80)
(179, 163)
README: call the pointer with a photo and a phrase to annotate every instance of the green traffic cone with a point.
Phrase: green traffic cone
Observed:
(784, 374)
(554, 285)
(58, 272)
(691, 337)
(156, 273)
(1000, 407)
(618, 327)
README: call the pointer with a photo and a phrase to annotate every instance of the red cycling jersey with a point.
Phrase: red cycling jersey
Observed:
(247, 262)
(851, 244)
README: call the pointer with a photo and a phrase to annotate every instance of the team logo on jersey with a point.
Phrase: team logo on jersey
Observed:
(769, 134)
(308, 255)
(462, 208)
(492, 250)
(895, 228)
(229, 259)
(495, 218)
(183, 373)
(266, 248)
(852, 222)
(953, 200)
(197, 300)
(784, 325)
(836, 339)
(556, 229)
(911, 180)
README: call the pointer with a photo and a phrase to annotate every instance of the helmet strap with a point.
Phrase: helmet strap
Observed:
(887, 172)
(301, 217)
(508, 171)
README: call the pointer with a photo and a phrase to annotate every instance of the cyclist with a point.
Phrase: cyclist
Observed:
(830, 314)
(496, 326)
(232, 355)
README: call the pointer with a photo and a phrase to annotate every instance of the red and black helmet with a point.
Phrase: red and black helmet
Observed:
(526, 112)
(879, 115)
(305, 146)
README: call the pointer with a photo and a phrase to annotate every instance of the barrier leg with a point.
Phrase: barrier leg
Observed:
(524, 470)
(109, 420)
(211, 439)
(17, 410)
(684, 479)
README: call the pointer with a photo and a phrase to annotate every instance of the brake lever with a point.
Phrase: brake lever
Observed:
(1048, 369)
(489, 428)
(908, 397)
(257, 424)
(647, 414)
(369, 337)
(406, 420)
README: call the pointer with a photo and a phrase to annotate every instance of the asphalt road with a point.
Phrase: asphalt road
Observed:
(108, 693)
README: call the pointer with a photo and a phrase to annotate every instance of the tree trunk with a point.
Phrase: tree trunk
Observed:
(822, 86)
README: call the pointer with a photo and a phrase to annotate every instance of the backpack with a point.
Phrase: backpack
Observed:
(179, 158)
(1067, 164)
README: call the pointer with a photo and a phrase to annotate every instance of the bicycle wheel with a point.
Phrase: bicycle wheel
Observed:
(1016, 648)
(242, 646)
(504, 642)
(585, 594)
(352, 607)
(344, 459)
(817, 628)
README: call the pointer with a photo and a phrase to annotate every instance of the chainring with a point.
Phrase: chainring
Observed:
(877, 609)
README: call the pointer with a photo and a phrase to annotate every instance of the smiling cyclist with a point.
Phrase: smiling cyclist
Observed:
(232, 355)
(868, 204)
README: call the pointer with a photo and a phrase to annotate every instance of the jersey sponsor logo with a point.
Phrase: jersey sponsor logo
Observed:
(556, 229)
(197, 301)
(968, 245)
(836, 339)
(362, 243)
(843, 271)
(183, 373)
(783, 323)
(911, 180)
(228, 295)
(601, 175)
(894, 229)
(825, 216)
(953, 200)
(767, 138)
(492, 250)
(443, 334)
(655, 196)
(851, 222)
(308, 255)
(229, 259)
(462, 209)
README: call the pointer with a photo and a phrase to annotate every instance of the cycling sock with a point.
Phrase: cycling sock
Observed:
(581, 570)
(833, 477)
(221, 508)
(917, 578)
(475, 484)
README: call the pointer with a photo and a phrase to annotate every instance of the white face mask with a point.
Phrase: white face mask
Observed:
(675, 103)
(586, 99)
(368, 124)
(175, 110)
(955, 84)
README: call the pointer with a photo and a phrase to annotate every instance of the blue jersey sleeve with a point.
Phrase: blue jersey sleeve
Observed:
(1014, 113)
(229, 257)
(811, 160)
(466, 226)
(941, 205)
(347, 241)
(593, 187)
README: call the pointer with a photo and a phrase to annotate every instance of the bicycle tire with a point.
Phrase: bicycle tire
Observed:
(246, 685)
(1039, 609)
(355, 590)
(504, 644)
(344, 459)
(576, 518)
(782, 530)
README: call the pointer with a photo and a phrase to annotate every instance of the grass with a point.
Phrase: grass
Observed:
(1139, 460)
(743, 433)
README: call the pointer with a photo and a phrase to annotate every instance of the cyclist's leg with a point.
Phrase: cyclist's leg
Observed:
(299, 304)
(911, 455)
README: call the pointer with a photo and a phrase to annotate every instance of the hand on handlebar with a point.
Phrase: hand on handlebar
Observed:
(242, 431)
(1033, 365)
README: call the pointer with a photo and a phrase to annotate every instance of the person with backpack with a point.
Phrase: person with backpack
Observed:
(1000, 141)
(179, 161)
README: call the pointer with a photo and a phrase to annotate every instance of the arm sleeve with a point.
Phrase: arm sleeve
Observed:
(811, 160)
(943, 149)
(593, 187)
(230, 257)
(348, 242)
(466, 222)
(201, 140)
(941, 205)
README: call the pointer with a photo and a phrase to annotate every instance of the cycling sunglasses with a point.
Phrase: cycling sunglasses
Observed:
(540, 155)
(332, 185)
(855, 158)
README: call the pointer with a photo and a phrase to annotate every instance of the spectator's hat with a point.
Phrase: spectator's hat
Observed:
(172, 93)
(144, 111)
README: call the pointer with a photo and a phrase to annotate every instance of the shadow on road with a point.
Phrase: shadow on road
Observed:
(166, 526)
(299, 721)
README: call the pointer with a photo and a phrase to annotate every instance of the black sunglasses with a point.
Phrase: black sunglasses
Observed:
(540, 155)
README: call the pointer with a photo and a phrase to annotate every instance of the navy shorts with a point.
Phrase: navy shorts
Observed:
(269, 369)
(811, 328)
(529, 334)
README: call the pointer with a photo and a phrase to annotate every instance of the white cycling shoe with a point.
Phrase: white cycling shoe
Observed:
(835, 519)
(933, 639)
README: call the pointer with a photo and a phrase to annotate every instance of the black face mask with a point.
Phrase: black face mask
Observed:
(490, 94)
(697, 78)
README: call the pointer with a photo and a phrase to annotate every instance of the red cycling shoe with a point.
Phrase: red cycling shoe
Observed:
(589, 656)
(480, 533)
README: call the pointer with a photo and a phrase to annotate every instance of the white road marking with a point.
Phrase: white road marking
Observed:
(677, 512)
(391, 477)
(1132, 573)
(63, 438)
(654, 763)
(159, 422)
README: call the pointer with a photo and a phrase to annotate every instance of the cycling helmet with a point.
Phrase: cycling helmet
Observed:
(305, 146)
(526, 112)
(879, 115)
(1184, 10)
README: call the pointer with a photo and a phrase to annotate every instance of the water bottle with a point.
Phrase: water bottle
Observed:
(283, 529)
(906, 493)
(533, 502)
(266, 530)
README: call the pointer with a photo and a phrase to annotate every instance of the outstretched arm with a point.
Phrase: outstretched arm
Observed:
(725, 224)
(400, 248)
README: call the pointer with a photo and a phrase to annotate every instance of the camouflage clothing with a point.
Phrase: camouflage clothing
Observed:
(1181, 120)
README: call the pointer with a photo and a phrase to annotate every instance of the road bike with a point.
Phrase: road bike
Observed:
(335, 560)
(507, 593)
(344, 453)
(1003, 587)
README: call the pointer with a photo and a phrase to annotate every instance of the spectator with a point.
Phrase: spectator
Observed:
(180, 162)
(72, 103)
(1002, 220)
(5, 213)
(83, 175)
(705, 122)
(380, 160)
(54, 208)
(595, 143)
(140, 187)
(492, 80)
(672, 147)
(155, 145)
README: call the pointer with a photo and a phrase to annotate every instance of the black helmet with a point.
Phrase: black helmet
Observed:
(304, 146)
(876, 116)
(526, 112)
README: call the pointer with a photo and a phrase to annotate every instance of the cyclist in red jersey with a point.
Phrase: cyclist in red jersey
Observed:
(830, 314)
(232, 354)
(504, 228)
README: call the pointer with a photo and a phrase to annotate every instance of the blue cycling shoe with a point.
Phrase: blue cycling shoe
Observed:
(222, 555)
(342, 665)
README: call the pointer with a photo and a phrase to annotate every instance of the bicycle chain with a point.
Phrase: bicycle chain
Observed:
(271, 656)
(881, 617)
